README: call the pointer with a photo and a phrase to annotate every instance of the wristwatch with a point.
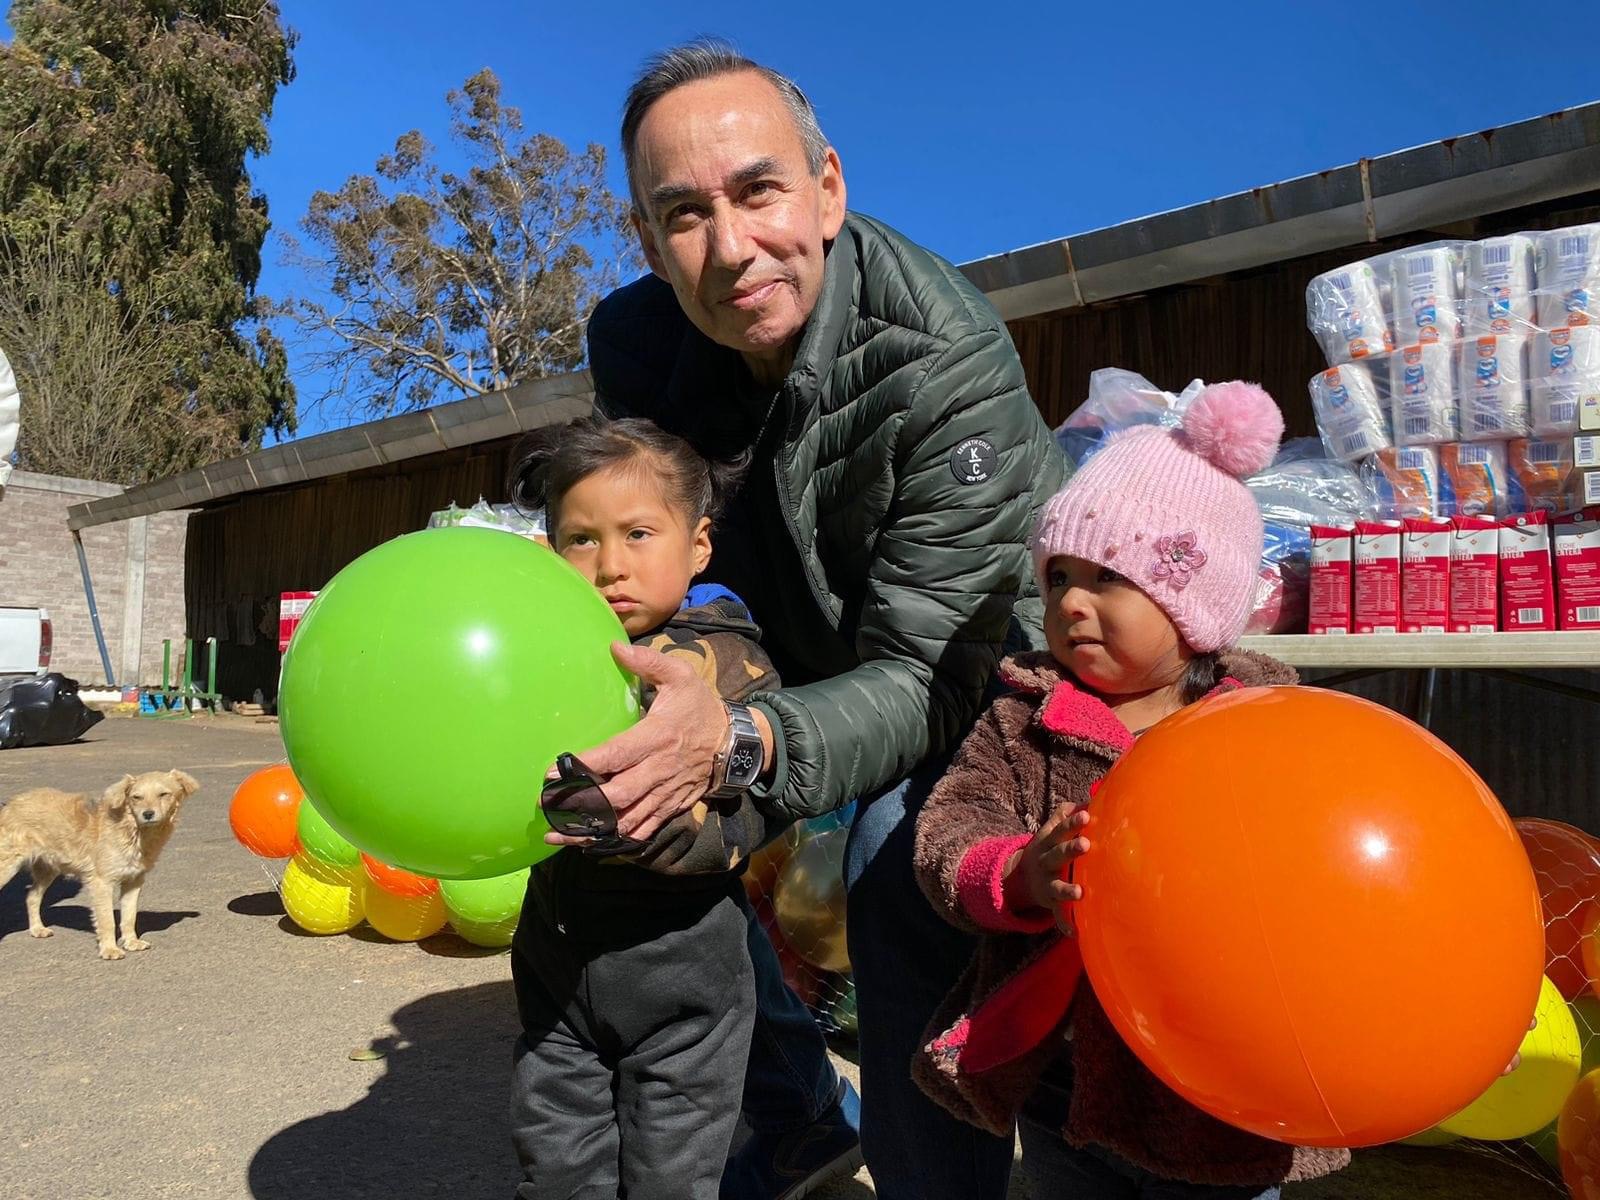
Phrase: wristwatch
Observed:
(738, 764)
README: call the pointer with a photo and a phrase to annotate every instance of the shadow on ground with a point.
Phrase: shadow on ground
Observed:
(72, 917)
(433, 1122)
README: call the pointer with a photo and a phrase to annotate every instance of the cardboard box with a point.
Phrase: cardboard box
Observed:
(1332, 555)
(1377, 577)
(291, 611)
(1474, 575)
(1527, 577)
(1577, 546)
(1425, 576)
(1586, 450)
(1583, 489)
(1589, 411)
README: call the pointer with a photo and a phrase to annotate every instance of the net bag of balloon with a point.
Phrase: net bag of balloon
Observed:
(1266, 936)
(795, 883)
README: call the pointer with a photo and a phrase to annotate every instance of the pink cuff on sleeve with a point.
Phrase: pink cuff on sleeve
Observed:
(981, 888)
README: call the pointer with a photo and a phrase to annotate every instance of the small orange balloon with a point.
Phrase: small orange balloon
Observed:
(1578, 1138)
(265, 812)
(1566, 866)
(1309, 917)
(395, 881)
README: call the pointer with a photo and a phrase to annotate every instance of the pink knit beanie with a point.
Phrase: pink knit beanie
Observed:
(1166, 509)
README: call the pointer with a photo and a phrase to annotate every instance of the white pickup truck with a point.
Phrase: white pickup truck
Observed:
(25, 641)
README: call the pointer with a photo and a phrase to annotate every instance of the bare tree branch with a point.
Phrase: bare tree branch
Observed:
(458, 284)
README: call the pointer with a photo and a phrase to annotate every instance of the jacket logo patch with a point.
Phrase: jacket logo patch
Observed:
(974, 461)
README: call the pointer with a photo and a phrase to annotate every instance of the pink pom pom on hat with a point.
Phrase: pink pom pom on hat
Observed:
(1167, 510)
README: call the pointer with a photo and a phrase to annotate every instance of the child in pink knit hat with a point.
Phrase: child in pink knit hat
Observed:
(1148, 561)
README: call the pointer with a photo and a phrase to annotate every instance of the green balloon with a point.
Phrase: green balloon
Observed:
(321, 840)
(484, 902)
(432, 684)
(844, 1013)
(1546, 1146)
(492, 937)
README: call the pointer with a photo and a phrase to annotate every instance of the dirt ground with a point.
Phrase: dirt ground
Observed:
(218, 1063)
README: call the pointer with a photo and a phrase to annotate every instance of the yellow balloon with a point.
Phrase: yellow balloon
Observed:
(404, 918)
(808, 901)
(1526, 1100)
(320, 897)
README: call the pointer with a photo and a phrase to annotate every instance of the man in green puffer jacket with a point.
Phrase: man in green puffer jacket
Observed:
(896, 463)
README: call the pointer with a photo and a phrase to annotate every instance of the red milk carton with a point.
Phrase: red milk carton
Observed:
(1424, 576)
(1577, 543)
(291, 611)
(1377, 576)
(1527, 579)
(1474, 575)
(1332, 554)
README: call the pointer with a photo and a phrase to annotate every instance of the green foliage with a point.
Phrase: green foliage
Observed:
(125, 127)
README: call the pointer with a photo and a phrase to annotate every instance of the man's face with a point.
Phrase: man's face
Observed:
(730, 216)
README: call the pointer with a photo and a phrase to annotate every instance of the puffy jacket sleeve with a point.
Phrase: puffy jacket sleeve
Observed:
(949, 564)
(975, 819)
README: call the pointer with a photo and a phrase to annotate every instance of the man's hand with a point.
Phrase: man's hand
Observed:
(662, 766)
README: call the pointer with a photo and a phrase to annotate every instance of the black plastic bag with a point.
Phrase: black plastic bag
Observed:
(43, 712)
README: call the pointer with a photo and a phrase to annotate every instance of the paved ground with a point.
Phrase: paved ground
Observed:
(218, 1063)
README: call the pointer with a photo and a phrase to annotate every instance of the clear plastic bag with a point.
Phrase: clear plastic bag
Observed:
(1303, 487)
(483, 515)
(1119, 400)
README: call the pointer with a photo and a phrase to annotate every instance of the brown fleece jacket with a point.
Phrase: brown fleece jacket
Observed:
(1046, 744)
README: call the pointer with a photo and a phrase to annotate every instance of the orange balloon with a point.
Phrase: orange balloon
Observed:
(1566, 865)
(1590, 948)
(395, 881)
(761, 872)
(265, 812)
(1309, 917)
(1578, 1138)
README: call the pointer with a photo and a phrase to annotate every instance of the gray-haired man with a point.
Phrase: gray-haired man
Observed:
(879, 541)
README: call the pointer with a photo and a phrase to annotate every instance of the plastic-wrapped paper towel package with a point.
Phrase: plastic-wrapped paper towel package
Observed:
(1563, 373)
(1345, 311)
(1567, 269)
(1456, 369)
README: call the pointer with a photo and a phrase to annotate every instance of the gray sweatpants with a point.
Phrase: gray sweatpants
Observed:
(636, 1014)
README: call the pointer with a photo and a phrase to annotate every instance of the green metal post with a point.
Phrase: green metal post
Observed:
(211, 670)
(166, 665)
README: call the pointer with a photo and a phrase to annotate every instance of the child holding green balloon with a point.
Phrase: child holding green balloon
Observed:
(632, 972)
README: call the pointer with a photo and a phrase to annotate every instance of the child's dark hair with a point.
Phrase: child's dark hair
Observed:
(549, 462)
(1201, 676)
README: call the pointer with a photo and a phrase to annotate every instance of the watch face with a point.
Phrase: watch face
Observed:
(744, 760)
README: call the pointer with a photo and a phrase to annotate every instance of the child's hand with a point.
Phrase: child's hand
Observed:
(1034, 877)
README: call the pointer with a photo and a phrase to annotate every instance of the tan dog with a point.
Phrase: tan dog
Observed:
(110, 847)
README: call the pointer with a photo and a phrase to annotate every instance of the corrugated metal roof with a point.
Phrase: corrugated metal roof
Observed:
(1450, 180)
(1388, 196)
(374, 444)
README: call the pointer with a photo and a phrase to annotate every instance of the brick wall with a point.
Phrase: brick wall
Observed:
(136, 566)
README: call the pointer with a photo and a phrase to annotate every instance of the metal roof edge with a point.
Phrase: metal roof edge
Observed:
(376, 443)
(1526, 162)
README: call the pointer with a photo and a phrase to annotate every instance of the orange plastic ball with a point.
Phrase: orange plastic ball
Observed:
(395, 881)
(1578, 1138)
(1309, 917)
(265, 812)
(1566, 866)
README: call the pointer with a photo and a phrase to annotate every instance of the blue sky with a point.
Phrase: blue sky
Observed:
(975, 127)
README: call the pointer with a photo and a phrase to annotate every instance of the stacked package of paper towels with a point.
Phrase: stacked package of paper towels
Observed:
(1463, 381)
